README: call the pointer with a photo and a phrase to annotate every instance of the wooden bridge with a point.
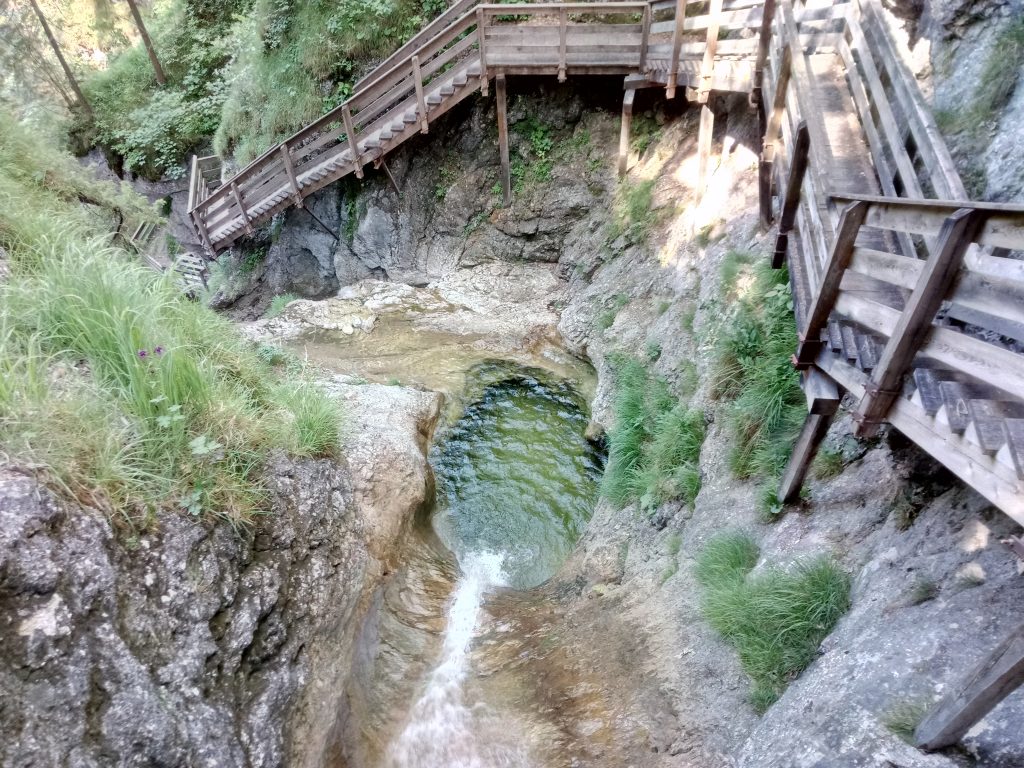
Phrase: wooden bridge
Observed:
(908, 296)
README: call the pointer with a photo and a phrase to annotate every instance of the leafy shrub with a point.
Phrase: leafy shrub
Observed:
(654, 443)
(775, 619)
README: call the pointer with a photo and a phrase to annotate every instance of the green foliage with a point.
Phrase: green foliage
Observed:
(605, 320)
(313, 428)
(828, 463)
(445, 180)
(674, 544)
(278, 303)
(922, 590)
(538, 162)
(734, 264)
(634, 215)
(663, 307)
(757, 335)
(652, 351)
(645, 131)
(775, 619)
(158, 403)
(654, 444)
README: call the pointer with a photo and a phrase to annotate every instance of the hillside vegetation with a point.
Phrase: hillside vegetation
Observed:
(113, 386)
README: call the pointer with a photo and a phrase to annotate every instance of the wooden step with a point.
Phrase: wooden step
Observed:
(954, 412)
(867, 351)
(460, 79)
(1012, 451)
(835, 336)
(434, 99)
(986, 427)
(928, 394)
(849, 344)
(447, 89)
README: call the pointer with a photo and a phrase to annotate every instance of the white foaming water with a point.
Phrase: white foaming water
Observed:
(444, 730)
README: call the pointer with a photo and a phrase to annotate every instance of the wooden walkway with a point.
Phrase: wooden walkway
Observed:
(908, 296)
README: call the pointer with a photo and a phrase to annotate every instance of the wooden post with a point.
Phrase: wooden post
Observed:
(791, 202)
(677, 43)
(707, 67)
(193, 183)
(645, 38)
(823, 398)
(763, 43)
(563, 21)
(957, 233)
(481, 26)
(850, 222)
(241, 206)
(421, 101)
(506, 175)
(707, 125)
(771, 136)
(997, 676)
(289, 167)
(353, 145)
(624, 130)
(204, 235)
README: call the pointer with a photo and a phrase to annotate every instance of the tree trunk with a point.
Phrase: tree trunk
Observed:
(148, 43)
(60, 57)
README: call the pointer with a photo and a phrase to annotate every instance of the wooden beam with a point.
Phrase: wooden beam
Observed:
(839, 259)
(289, 166)
(353, 144)
(794, 184)
(937, 275)
(707, 126)
(421, 102)
(677, 42)
(506, 173)
(204, 235)
(193, 183)
(241, 207)
(997, 676)
(763, 43)
(563, 21)
(814, 430)
(645, 38)
(770, 136)
(481, 26)
(707, 68)
(624, 131)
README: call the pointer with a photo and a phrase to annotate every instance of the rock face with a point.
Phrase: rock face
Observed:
(201, 644)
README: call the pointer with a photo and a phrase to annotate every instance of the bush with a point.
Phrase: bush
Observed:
(775, 619)
(752, 368)
(278, 303)
(654, 443)
(130, 397)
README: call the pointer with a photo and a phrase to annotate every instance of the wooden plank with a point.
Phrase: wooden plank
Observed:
(562, 22)
(193, 183)
(241, 207)
(991, 681)
(421, 102)
(481, 33)
(506, 177)
(763, 44)
(704, 136)
(645, 37)
(624, 130)
(850, 223)
(791, 201)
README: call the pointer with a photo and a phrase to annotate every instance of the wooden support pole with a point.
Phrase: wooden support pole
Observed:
(241, 206)
(645, 38)
(481, 27)
(794, 184)
(194, 181)
(707, 126)
(957, 233)
(624, 131)
(289, 167)
(421, 102)
(353, 145)
(563, 31)
(677, 44)
(996, 677)
(506, 174)
(707, 68)
(771, 136)
(850, 222)
(763, 44)
(204, 235)
(823, 398)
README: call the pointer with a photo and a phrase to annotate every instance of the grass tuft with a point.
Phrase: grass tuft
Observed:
(654, 444)
(776, 619)
(278, 304)
(903, 718)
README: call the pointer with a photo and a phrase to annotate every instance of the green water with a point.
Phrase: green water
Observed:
(515, 475)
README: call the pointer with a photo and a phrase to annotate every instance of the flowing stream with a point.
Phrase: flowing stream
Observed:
(516, 484)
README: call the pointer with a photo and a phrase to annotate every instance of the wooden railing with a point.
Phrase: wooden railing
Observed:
(450, 57)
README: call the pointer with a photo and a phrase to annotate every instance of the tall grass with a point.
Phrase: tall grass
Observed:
(753, 371)
(120, 390)
(654, 443)
(777, 618)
